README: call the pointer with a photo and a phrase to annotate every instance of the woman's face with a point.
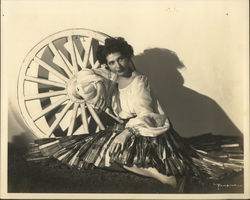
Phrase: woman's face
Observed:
(119, 64)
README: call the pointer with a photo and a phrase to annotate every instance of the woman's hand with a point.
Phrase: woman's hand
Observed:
(99, 101)
(119, 141)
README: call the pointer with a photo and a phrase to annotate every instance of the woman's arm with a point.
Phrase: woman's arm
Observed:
(93, 88)
(149, 121)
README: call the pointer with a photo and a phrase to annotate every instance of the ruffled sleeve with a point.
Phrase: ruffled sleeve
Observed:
(88, 78)
(148, 121)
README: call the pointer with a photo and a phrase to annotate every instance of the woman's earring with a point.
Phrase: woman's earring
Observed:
(107, 67)
(104, 66)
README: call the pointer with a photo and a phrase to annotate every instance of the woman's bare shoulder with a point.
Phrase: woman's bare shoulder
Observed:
(140, 79)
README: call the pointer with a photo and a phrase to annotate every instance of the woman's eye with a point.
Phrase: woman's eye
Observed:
(111, 63)
(121, 59)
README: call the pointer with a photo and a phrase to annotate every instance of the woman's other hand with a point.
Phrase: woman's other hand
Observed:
(119, 141)
(99, 101)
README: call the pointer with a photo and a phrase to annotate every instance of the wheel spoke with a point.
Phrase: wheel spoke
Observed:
(86, 52)
(78, 57)
(50, 69)
(96, 65)
(91, 57)
(109, 112)
(65, 59)
(44, 81)
(73, 119)
(97, 129)
(93, 49)
(63, 63)
(72, 54)
(45, 94)
(50, 108)
(95, 117)
(59, 118)
(84, 118)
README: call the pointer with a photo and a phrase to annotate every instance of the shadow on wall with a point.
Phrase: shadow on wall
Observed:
(16, 125)
(190, 112)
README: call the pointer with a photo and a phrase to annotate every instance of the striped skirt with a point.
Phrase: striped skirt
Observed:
(204, 157)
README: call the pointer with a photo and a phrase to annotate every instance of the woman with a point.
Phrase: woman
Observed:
(145, 143)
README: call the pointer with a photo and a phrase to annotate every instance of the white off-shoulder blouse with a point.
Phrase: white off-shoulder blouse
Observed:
(137, 103)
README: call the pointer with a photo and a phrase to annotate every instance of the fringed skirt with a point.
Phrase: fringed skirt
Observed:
(205, 157)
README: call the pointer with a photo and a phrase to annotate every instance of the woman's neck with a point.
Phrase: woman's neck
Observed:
(125, 81)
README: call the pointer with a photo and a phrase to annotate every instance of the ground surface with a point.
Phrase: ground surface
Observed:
(43, 178)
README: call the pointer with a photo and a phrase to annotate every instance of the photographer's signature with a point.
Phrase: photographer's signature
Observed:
(222, 186)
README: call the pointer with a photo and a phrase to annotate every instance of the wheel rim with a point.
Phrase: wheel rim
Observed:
(45, 82)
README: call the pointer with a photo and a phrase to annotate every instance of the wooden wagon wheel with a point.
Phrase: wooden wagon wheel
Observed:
(46, 81)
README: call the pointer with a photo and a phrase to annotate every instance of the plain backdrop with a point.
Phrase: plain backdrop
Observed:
(210, 38)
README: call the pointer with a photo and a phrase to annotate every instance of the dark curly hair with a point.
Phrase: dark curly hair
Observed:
(113, 45)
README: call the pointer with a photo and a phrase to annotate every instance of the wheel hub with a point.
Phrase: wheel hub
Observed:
(71, 90)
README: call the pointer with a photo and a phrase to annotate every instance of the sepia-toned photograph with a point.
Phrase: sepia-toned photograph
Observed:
(125, 99)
